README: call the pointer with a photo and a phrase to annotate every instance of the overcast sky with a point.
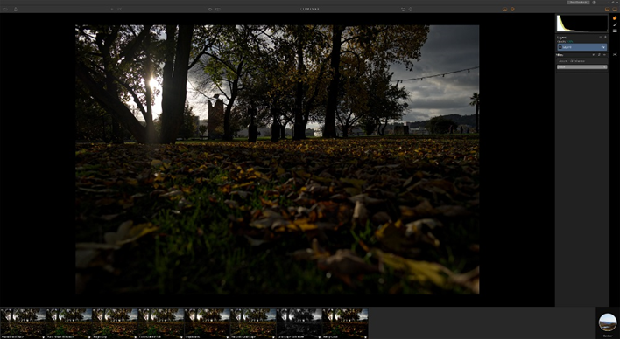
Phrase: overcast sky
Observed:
(88, 315)
(448, 48)
(608, 318)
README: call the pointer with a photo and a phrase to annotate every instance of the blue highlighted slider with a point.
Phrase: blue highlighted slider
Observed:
(582, 47)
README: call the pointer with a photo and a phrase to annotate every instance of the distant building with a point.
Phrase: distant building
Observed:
(418, 131)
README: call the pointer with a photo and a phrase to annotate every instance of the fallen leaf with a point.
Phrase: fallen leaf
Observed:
(346, 262)
(255, 242)
(128, 232)
(414, 269)
(470, 280)
(173, 193)
(453, 211)
(110, 216)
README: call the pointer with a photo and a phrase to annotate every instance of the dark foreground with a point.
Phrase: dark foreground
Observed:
(373, 215)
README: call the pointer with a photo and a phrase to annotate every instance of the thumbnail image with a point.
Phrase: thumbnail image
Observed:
(27, 322)
(319, 158)
(161, 322)
(207, 323)
(114, 322)
(299, 322)
(345, 322)
(72, 322)
(252, 322)
(607, 322)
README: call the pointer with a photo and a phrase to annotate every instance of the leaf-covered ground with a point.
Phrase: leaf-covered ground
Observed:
(368, 215)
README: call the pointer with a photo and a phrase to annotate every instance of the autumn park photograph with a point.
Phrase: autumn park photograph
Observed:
(266, 159)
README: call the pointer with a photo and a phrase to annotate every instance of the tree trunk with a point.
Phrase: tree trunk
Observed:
(382, 128)
(275, 126)
(283, 131)
(332, 96)
(148, 117)
(174, 92)
(233, 96)
(111, 103)
(298, 127)
(253, 133)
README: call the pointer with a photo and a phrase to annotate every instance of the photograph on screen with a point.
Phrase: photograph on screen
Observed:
(277, 159)
(22, 322)
(114, 322)
(344, 323)
(68, 322)
(207, 323)
(607, 322)
(298, 323)
(252, 323)
(160, 322)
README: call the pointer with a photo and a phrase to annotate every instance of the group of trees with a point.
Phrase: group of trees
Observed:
(66, 314)
(296, 314)
(158, 314)
(283, 74)
(344, 314)
(111, 314)
(441, 125)
(206, 314)
(249, 314)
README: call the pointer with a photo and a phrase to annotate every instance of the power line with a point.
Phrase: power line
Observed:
(440, 74)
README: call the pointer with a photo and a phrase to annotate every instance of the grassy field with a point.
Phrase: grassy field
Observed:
(359, 215)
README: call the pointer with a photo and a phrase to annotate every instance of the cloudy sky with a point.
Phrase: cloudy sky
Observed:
(608, 318)
(88, 315)
(448, 48)
(271, 315)
(226, 314)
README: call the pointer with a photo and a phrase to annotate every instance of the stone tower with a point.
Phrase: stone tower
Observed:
(216, 119)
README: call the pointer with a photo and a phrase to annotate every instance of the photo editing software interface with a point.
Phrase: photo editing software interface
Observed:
(310, 169)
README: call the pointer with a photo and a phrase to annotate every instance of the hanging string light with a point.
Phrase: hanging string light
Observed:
(443, 75)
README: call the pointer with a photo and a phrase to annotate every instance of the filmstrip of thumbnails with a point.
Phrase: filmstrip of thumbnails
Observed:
(190, 323)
